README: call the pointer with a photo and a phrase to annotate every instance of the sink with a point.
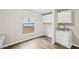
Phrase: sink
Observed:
(64, 29)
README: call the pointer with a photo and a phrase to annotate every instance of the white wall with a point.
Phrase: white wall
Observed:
(1, 24)
(76, 17)
(75, 39)
(12, 27)
(48, 30)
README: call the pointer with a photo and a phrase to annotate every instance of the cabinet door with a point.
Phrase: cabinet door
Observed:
(63, 38)
(60, 17)
(47, 18)
(65, 17)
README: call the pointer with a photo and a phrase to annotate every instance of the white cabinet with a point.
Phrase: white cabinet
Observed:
(65, 16)
(64, 38)
(47, 18)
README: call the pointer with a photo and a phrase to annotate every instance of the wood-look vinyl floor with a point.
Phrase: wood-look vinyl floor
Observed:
(37, 43)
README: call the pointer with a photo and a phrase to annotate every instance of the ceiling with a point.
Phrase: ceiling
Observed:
(42, 11)
(47, 11)
(59, 10)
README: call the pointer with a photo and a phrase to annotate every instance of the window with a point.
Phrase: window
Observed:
(28, 24)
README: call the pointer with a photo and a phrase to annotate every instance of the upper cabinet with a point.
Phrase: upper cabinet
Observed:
(47, 18)
(65, 16)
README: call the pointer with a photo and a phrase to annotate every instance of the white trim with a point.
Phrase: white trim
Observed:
(75, 45)
(13, 43)
(17, 42)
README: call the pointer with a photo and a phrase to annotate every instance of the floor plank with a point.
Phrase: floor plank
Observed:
(37, 43)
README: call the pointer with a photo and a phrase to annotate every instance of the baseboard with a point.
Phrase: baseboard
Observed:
(48, 36)
(14, 43)
(75, 45)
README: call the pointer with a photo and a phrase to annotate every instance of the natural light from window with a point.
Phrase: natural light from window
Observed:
(28, 25)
